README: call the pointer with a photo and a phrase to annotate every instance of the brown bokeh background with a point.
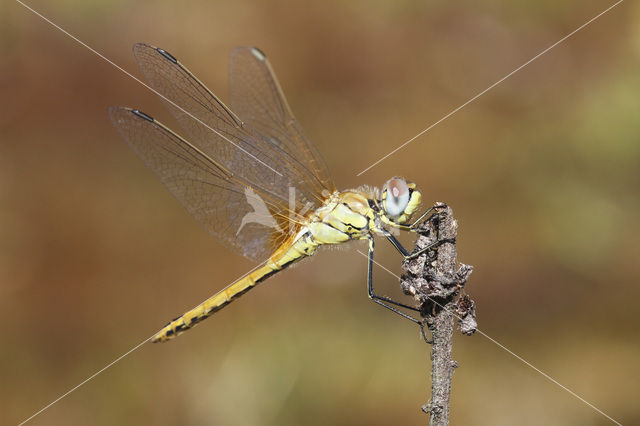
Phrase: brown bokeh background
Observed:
(542, 173)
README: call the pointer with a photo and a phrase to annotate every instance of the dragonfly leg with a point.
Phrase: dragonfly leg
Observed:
(425, 214)
(414, 225)
(405, 253)
(384, 301)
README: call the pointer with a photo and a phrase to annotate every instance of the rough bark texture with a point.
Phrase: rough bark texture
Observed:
(435, 282)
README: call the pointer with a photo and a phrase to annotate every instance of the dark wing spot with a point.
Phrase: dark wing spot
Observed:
(258, 53)
(167, 55)
(142, 115)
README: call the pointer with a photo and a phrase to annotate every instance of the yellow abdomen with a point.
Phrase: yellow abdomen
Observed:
(348, 217)
(289, 253)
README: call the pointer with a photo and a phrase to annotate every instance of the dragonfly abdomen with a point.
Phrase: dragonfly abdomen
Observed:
(289, 253)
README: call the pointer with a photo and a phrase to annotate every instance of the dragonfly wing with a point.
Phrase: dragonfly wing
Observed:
(213, 128)
(258, 99)
(227, 207)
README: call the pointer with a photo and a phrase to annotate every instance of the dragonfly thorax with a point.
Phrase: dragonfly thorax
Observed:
(347, 216)
(358, 213)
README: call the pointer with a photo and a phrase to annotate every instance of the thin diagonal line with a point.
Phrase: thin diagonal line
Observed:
(546, 376)
(91, 377)
(135, 348)
(492, 86)
(145, 85)
(518, 357)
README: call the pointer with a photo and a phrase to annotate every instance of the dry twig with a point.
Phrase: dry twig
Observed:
(433, 280)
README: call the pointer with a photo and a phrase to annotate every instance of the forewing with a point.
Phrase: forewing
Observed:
(211, 126)
(228, 208)
(258, 99)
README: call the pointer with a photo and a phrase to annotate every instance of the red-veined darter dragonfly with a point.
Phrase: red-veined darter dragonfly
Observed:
(250, 175)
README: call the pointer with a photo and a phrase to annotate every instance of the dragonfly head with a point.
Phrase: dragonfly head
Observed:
(400, 199)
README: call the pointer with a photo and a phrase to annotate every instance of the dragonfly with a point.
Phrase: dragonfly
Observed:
(250, 175)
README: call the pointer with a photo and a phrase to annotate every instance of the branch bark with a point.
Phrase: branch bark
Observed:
(435, 281)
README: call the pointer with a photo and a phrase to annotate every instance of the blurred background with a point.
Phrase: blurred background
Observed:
(542, 173)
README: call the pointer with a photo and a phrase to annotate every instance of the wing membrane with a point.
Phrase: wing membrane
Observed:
(240, 215)
(257, 98)
(211, 126)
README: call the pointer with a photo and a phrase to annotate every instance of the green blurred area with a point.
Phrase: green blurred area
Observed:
(542, 173)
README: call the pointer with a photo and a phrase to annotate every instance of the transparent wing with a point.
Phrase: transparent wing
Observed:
(220, 134)
(249, 219)
(258, 99)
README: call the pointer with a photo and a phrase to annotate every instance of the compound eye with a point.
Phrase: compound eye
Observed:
(397, 196)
